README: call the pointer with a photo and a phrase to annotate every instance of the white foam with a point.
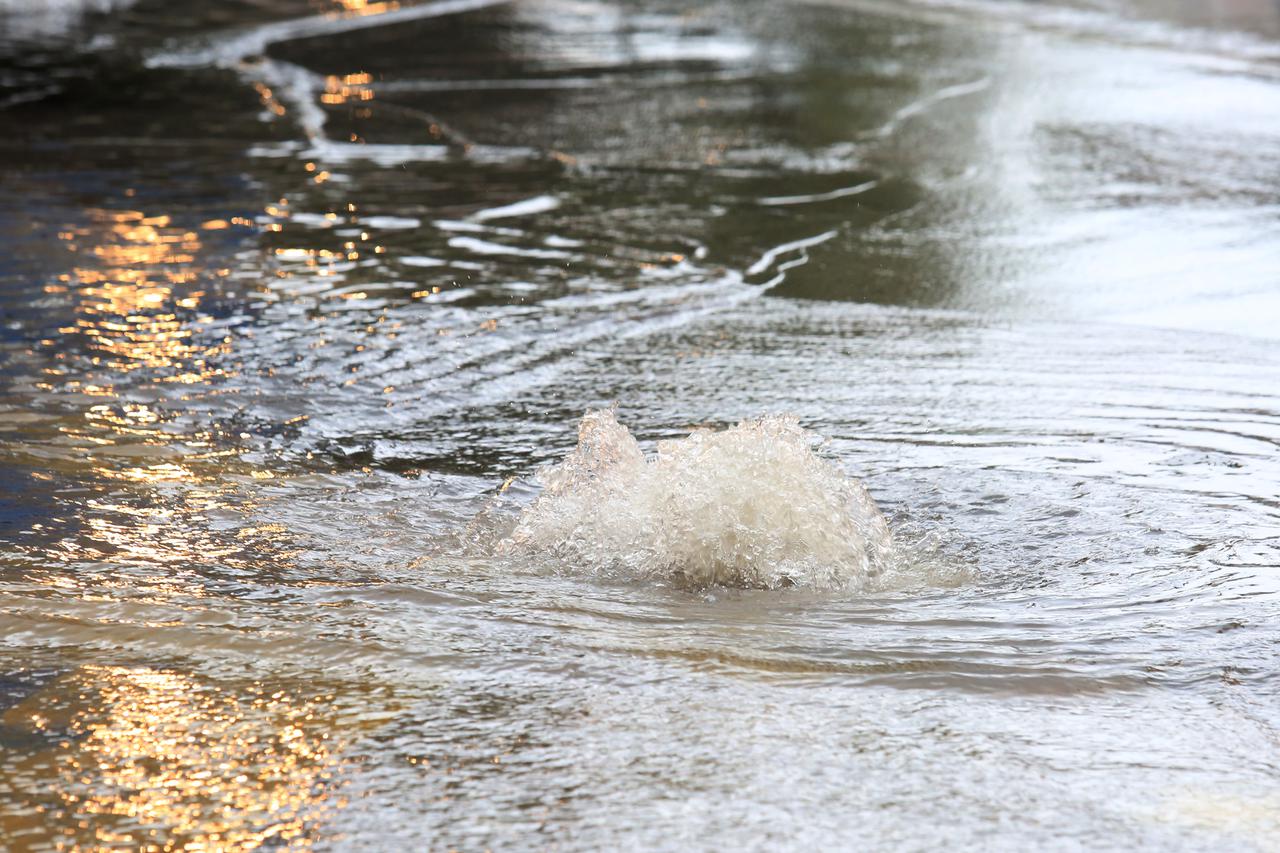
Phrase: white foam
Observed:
(525, 207)
(391, 223)
(486, 247)
(811, 198)
(751, 506)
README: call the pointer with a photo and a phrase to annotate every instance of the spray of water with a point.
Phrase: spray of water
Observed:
(751, 506)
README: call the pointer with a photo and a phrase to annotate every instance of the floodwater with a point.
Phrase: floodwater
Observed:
(296, 298)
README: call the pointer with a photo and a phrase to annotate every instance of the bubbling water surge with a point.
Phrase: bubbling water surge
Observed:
(751, 506)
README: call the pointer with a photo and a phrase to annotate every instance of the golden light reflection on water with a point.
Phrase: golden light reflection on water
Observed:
(129, 309)
(349, 87)
(366, 7)
(169, 497)
(140, 525)
(151, 550)
(146, 758)
(150, 759)
(153, 535)
(134, 286)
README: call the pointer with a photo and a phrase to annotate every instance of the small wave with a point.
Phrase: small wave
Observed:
(751, 506)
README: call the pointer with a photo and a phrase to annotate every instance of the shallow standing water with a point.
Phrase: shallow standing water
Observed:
(296, 297)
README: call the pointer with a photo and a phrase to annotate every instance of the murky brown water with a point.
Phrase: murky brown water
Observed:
(295, 298)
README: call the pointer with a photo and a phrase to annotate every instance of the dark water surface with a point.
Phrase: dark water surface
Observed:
(291, 291)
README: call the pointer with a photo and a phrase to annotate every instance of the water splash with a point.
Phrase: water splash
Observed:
(751, 506)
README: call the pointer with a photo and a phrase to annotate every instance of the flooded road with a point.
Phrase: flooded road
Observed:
(297, 298)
